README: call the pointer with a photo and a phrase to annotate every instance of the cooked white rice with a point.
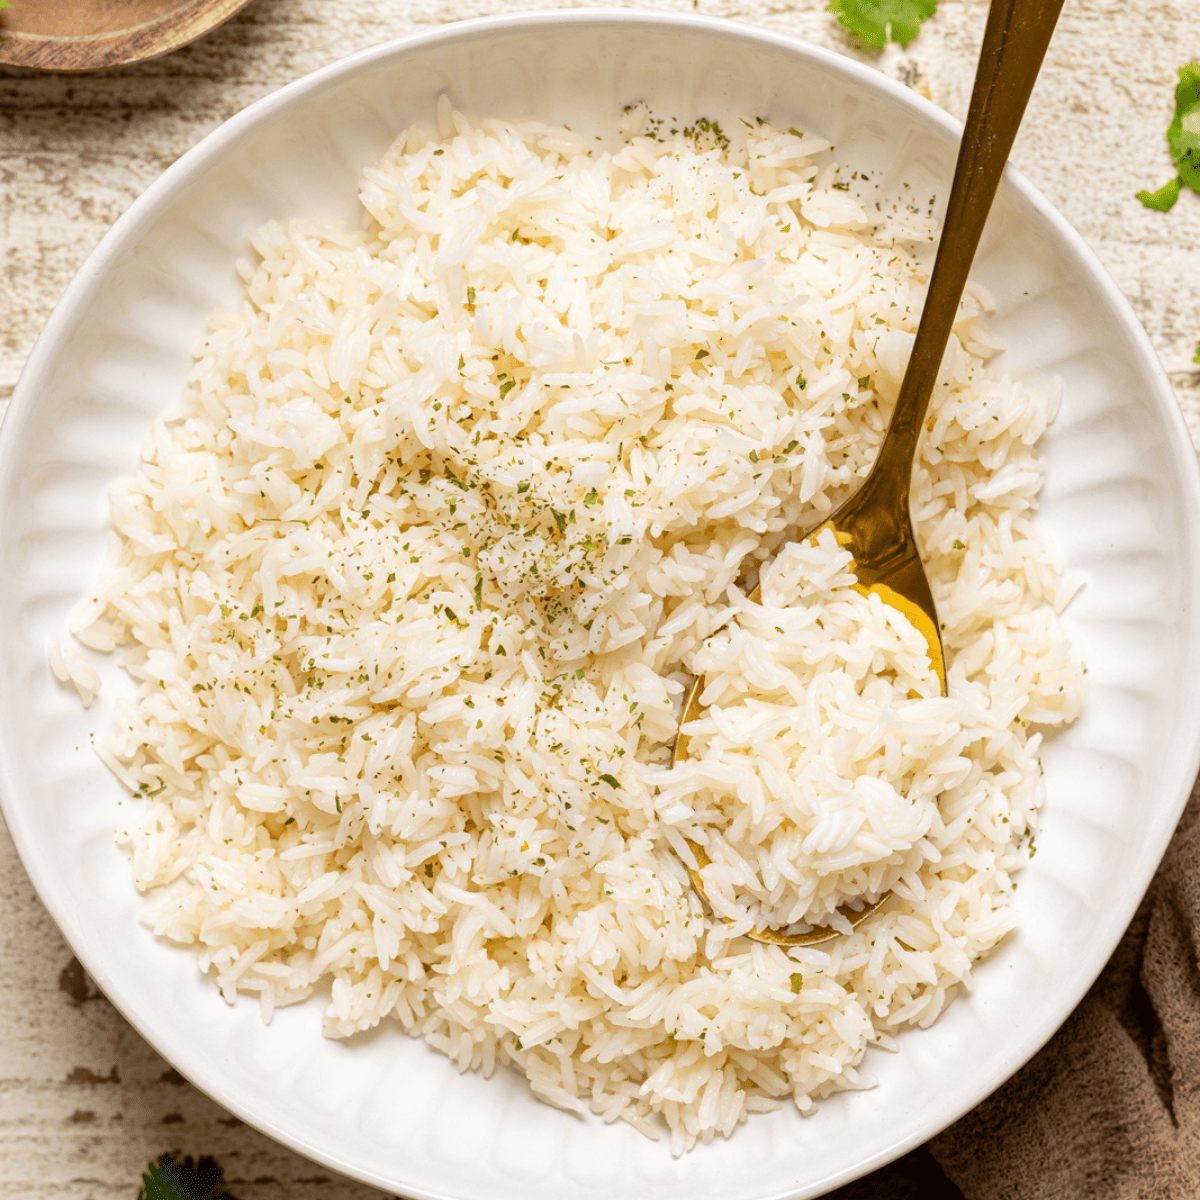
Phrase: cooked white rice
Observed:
(454, 504)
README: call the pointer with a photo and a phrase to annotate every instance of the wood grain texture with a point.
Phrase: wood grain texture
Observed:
(84, 35)
(84, 1102)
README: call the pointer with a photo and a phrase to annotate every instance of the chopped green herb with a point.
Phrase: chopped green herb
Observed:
(1183, 139)
(797, 981)
(169, 1178)
(1164, 199)
(880, 21)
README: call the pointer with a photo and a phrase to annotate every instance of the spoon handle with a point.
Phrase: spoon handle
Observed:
(1014, 44)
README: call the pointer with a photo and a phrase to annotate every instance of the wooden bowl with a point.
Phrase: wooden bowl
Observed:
(84, 35)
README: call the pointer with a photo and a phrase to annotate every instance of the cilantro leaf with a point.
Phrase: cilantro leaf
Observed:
(1183, 134)
(1197, 357)
(1164, 199)
(880, 21)
(1183, 138)
(167, 1178)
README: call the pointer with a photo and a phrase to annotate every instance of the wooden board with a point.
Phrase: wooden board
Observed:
(83, 35)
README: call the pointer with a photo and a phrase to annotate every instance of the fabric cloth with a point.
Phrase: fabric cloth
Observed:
(1110, 1108)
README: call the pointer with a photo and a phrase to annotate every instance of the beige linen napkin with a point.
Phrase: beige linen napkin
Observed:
(1110, 1108)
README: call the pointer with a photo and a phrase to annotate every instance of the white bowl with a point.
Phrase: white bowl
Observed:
(1121, 498)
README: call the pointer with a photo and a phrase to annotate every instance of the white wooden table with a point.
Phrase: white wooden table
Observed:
(85, 1104)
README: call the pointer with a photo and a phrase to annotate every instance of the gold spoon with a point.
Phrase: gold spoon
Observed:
(875, 524)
